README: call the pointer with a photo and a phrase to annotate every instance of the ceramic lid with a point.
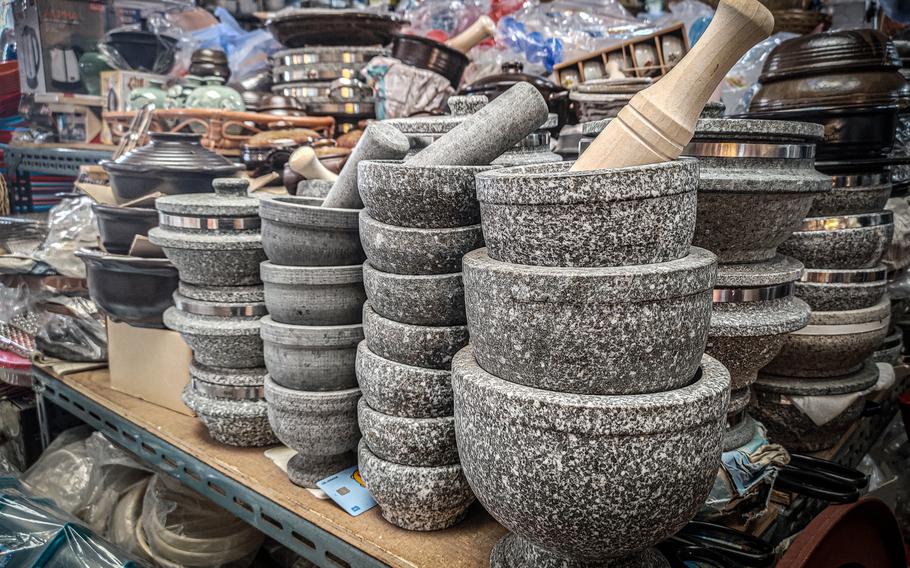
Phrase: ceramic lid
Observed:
(229, 199)
(172, 152)
(830, 52)
(512, 72)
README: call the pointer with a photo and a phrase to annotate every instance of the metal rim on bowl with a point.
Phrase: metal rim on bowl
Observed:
(760, 294)
(198, 308)
(209, 223)
(232, 392)
(750, 150)
(859, 180)
(839, 222)
(822, 276)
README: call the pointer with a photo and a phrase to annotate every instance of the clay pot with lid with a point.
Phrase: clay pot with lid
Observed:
(841, 241)
(512, 72)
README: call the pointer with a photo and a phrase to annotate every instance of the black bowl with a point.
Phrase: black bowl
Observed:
(425, 53)
(141, 49)
(119, 225)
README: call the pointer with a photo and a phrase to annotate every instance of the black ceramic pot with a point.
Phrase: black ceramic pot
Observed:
(144, 50)
(317, 26)
(120, 225)
(425, 53)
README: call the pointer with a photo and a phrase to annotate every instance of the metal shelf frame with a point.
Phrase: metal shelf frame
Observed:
(302, 536)
(23, 161)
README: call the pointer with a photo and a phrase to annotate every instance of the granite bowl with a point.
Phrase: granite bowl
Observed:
(423, 442)
(416, 498)
(852, 194)
(228, 377)
(311, 358)
(611, 330)
(318, 188)
(313, 295)
(740, 433)
(432, 299)
(242, 423)
(584, 478)
(547, 215)
(846, 241)
(297, 231)
(834, 343)
(414, 251)
(402, 390)
(830, 290)
(212, 259)
(415, 345)
(229, 342)
(891, 349)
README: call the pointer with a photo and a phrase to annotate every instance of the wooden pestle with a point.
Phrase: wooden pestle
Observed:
(659, 121)
(305, 162)
(482, 28)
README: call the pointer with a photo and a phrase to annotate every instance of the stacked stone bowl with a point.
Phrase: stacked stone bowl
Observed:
(214, 241)
(414, 323)
(588, 419)
(313, 284)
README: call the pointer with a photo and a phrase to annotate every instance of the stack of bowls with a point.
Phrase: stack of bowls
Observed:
(585, 391)
(414, 323)
(214, 241)
(314, 292)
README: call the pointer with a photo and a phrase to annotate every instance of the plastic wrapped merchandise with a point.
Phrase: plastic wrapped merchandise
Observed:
(71, 226)
(741, 83)
(179, 527)
(72, 338)
(898, 255)
(64, 471)
(403, 91)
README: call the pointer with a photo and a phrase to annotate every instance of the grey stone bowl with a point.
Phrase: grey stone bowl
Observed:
(313, 295)
(243, 423)
(512, 551)
(789, 426)
(314, 188)
(231, 342)
(740, 434)
(416, 498)
(830, 290)
(612, 330)
(222, 294)
(403, 390)
(427, 197)
(320, 424)
(547, 215)
(861, 243)
(432, 299)
(866, 198)
(834, 343)
(415, 345)
(407, 250)
(311, 358)
(297, 231)
(424, 442)
(891, 349)
(226, 376)
(306, 470)
(739, 400)
(614, 455)
(212, 259)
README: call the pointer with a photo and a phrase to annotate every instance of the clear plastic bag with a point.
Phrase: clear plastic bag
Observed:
(741, 83)
(898, 255)
(63, 472)
(690, 11)
(72, 338)
(403, 91)
(442, 19)
(71, 226)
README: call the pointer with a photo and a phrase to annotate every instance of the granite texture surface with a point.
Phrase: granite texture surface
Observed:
(311, 358)
(740, 435)
(739, 400)
(777, 270)
(547, 215)
(891, 350)
(408, 250)
(313, 295)
(403, 390)
(222, 294)
(617, 330)
(425, 442)
(839, 296)
(843, 248)
(756, 130)
(758, 318)
(589, 477)
(318, 188)
(378, 142)
(415, 345)
(416, 498)
(229, 198)
(433, 299)
(212, 260)
(297, 231)
(227, 376)
(851, 200)
(861, 379)
(305, 470)
(744, 356)
(515, 552)
(243, 423)
(219, 342)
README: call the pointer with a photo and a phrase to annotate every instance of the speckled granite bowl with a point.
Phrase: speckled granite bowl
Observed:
(891, 349)
(546, 215)
(739, 433)
(830, 290)
(212, 259)
(789, 426)
(311, 358)
(442, 501)
(834, 343)
(846, 241)
(320, 426)
(852, 194)
(297, 231)
(613, 330)
(407, 250)
(232, 420)
(425, 442)
(614, 455)
(252, 377)
(403, 390)
(433, 197)
(313, 295)
(433, 299)
(415, 345)
(314, 188)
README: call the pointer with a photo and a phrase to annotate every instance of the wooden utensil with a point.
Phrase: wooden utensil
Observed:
(482, 28)
(304, 162)
(659, 121)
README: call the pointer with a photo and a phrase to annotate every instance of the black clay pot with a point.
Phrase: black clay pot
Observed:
(144, 50)
(425, 53)
(120, 225)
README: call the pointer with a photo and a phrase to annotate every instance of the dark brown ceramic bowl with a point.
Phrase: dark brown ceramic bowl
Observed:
(830, 52)
(316, 26)
(425, 53)
(856, 89)
(120, 225)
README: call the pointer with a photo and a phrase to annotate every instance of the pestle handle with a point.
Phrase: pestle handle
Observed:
(304, 162)
(482, 28)
(659, 121)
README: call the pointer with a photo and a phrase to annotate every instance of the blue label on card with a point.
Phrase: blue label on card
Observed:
(348, 490)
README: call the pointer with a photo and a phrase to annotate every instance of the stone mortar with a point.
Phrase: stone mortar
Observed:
(891, 349)
(222, 294)
(423, 442)
(231, 342)
(318, 188)
(297, 231)
(243, 423)
(313, 295)
(851, 200)
(615, 330)
(406, 250)
(849, 289)
(306, 470)
(403, 390)
(227, 377)
(311, 358)
(616, 454)
(546, 215)
(212, 259)
(740, 435)
(432, 300)
(842, 248)
(442, 500)
(415, 345)
(512, 551)
(739, 400)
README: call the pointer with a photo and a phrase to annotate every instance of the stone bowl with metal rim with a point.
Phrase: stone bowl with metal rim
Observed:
(320, 426)
(852, 194)
(311, 358)
(431, 300)
(425, 442)
(772, 405)
(415, 251)
(547, 215)
(843, 241)
(611, 330)
(617, 453)
(834, 343)
(414, 345)
(297, 231)
(226, 376)
(891, 349)
(443, 500)
(754, 309)
(313, 295)
(234, 415)
(397, 389)
(325, 54)
(829, 290)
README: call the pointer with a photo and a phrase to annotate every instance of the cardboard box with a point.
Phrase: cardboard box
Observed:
(115, 91)
(150, 364)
